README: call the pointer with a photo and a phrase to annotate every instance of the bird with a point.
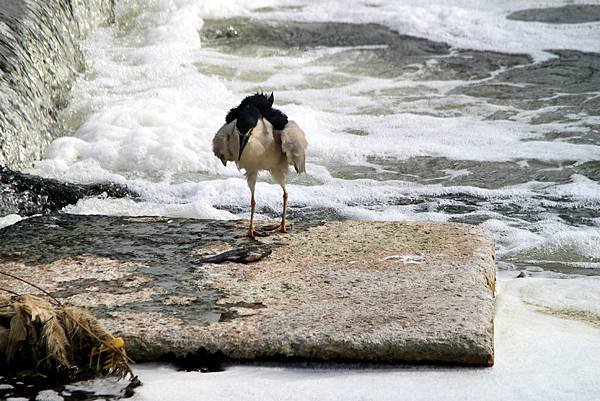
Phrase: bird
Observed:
(258, 137)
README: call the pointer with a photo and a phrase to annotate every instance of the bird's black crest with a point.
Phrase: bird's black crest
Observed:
(264, 104)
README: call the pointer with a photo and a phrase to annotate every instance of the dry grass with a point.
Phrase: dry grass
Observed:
(40, 335)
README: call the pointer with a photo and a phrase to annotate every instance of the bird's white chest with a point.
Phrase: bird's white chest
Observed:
(262, 152)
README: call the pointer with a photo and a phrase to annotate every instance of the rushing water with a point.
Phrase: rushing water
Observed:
(39, 55)
(413, 112)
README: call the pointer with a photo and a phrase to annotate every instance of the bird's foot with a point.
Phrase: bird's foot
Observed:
(252, 233)
(278, 228)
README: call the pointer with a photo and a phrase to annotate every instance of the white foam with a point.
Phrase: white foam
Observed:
(580, 187)
(537, 357)
(578, 297)
(568, 244)
(108, 387)
(9, 220)
(469, 24)
(512, 239)
(128, 207)
(145, 106)
(48, 395)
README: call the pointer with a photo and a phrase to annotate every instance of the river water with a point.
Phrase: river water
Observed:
(461, 111)
(413, 112)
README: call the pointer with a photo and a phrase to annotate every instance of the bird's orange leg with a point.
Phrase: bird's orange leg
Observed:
(251, 231)
(251, 178)
(285, 198)
(281, 226)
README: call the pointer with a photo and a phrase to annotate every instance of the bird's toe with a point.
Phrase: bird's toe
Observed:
(257, 233)
(272, 227)
(278, 228)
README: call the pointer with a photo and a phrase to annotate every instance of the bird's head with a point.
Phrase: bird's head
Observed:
(246, 122)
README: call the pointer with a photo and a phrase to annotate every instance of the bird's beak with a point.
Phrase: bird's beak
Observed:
(243, 142)
(224, 162)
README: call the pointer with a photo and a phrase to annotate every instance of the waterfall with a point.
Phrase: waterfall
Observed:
(39, 59)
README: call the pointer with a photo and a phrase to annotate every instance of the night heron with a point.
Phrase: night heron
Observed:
(258, 137)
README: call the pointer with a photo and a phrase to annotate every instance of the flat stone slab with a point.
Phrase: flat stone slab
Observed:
(345, 290)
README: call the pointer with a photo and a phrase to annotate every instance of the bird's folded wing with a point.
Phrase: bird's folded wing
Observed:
(293, 144)
(221, 143)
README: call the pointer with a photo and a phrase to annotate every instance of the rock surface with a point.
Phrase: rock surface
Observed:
(27, 194)
(354, 291)
(567, 14)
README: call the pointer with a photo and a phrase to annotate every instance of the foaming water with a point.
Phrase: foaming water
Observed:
(429, 113)
(468, 24)
(39, 57)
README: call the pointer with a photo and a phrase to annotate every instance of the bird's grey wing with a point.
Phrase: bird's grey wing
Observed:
(221, 144)
(294, 144)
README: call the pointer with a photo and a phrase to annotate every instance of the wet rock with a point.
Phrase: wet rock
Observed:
(569, 82)
(449, 172)
(27, 194)
(373, 49)
(241, 32)
(572, 71)
(464, 64)
(567, 14)
(360, 291)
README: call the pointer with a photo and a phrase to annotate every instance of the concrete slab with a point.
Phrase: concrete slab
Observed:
(355, 291)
